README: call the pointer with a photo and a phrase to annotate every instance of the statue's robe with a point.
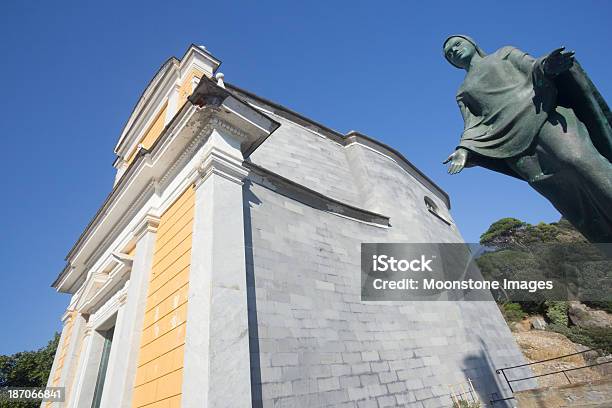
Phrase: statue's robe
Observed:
(506, 100)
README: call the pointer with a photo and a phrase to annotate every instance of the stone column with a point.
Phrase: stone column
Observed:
(121, 372)
(72, 353)
(73, 400)
(217, 365)
(63, 339)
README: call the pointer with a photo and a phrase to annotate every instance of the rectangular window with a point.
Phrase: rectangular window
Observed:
(108, 341)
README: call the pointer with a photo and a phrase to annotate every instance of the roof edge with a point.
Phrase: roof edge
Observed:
(344, 139)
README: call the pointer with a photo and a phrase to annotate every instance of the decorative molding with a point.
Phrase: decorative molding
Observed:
(222, 164)
(125, 259)
(122, 299)
(148, 105)
(149, 223)
(233, 130)
(153, 171)
(99, 285)
(93, 287)
(105, 311)
(193, 146)
(169, 76)
(67, 316)
(135, 206)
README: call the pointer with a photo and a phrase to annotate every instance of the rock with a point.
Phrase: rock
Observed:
(585, 317)
(589, 356)
(522, 326)
(605, 369)
(538, 345)
(538, 322)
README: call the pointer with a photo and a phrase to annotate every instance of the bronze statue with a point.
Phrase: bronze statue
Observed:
(540, 120)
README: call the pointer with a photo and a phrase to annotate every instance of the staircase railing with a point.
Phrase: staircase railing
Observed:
(503, 371)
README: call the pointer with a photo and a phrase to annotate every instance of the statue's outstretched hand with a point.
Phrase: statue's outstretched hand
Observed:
(457, 161)
(558, 61)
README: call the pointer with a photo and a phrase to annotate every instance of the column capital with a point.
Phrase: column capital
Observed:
(223, 164)
(68, 315)
(87, 331)
(148, 223)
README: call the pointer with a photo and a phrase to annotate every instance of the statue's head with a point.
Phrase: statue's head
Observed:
(460, 49)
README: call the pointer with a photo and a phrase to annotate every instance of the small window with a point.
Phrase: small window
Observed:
(433, 208)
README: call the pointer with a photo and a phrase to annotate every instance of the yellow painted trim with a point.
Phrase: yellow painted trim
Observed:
(185, 88)
(152, 133)
(159, 376)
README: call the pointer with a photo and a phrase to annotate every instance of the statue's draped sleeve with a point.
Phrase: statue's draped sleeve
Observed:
(504, 102)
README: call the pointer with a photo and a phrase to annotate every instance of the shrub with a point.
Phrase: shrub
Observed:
(592, 337)
(557, 312)
(533, 308)
(512, 312)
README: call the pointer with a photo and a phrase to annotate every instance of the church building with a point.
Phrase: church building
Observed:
(223, 268)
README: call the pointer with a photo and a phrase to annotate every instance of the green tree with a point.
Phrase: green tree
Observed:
(521, 251)
(27, 369)
(503, 233)
(512, 233)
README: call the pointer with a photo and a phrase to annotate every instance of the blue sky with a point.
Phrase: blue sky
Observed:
(72, 71)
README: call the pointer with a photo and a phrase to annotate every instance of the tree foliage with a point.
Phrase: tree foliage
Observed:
(27, 369)
(503, 232)
(513, 233)
(557, 252)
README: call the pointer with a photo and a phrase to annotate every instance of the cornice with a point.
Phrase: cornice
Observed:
(167, 74)
(179, 122)
(159, 82)
(196, 143)
(152, 171)
(353, 138)
(233, 130)
(135, 206)
(295, 191)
